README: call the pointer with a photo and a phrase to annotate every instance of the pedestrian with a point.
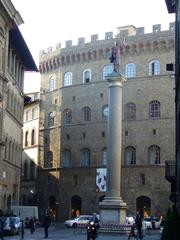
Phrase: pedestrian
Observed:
(138, 223)
(22, 230)
(2, 229)
(31, 225)
(46, 224)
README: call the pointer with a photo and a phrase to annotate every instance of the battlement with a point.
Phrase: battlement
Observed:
(124, 31)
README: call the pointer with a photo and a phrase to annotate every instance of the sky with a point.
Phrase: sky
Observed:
(48, 22)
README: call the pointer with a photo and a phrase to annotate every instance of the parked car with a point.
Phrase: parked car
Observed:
(82, 219)
(11, 225)
(152, 223)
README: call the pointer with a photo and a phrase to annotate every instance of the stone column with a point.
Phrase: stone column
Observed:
(113, 209)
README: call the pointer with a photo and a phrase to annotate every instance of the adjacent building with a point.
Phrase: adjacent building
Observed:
(15, 59)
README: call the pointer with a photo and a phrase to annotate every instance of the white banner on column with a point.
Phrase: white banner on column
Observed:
(101, 179)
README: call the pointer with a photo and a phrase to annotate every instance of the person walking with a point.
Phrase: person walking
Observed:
(46, 224)
(138, 223)
(31, 225)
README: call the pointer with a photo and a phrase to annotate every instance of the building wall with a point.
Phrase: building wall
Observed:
(141, 179)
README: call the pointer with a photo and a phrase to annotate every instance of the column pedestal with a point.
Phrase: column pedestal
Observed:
(113, 208)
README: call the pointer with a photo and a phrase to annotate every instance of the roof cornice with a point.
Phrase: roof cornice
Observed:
(13, 13)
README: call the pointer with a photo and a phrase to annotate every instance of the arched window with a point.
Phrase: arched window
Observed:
(130, 70)
(33, 137)
(85, 157)
(154, 67)
(86, 114)
(87, 76)
(32, 170)
(104, 156)
(67, 79)
(130, 111)
(25, 170)
(26, 139)
(129, 155)
(154, 109)
(67, 116)
(154, 154)
(66, 158)
(51, 116)
(49, 160)
(52, 83)
(107, 70)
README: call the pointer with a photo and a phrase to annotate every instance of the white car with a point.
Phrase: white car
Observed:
(82, 219)
(152, 223)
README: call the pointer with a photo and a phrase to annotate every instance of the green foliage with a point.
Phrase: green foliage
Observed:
(171, 230)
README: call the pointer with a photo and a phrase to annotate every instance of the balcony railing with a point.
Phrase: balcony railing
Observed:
(170, 171)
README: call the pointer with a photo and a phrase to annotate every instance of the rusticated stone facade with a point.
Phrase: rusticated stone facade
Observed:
(74, 93)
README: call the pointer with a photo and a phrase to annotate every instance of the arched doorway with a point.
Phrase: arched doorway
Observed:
(143, 206)
(52, 208)
(75, 206)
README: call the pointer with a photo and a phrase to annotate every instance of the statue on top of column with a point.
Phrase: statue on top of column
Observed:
(115, 55)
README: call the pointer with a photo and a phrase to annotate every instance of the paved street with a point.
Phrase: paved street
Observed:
(60, 232)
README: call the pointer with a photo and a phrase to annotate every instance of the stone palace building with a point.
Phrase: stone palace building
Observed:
(73, 122)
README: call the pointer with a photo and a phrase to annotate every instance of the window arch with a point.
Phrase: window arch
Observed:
(130, 155)
(86, 114)
(33, 137)
(154, 109)
(154, 67)
(67, 116)
(154, 154)
(67, 79)
(51, 116)
(85, 157)
(130, 111)
(104, 156)
(130, 70)
(66, 158)
(87, 75)
(26, 139)
(107, 70)
(52, 83)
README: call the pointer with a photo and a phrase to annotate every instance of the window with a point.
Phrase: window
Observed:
(154, 155)
(154, 68)
(67, 116)
(130, 156)
(51, 119)
(104, 156)
(67, 79)
(26, 139)
(107, 70)
(154, 109)
(27, 113)
(25, 170)
(66, 158)
(33, 137)
(130, 111)
(49, 160)
(130, 70)
(86, 114)
(87, 76)
(52, 84)
(32, 170)
(85, 157)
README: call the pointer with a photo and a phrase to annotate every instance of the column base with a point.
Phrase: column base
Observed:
(113, 210)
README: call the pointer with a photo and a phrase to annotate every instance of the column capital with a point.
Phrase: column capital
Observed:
(115, 79)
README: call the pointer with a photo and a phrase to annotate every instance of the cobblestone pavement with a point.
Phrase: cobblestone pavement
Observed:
(59, 232)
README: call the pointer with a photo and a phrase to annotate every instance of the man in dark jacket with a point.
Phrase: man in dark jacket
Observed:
(46, 224)
(138, 223)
